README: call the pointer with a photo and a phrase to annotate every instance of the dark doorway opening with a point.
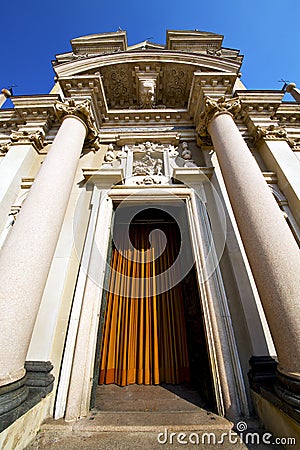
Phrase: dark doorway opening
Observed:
(154, 337)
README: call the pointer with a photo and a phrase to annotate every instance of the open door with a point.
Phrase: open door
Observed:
(144, 337)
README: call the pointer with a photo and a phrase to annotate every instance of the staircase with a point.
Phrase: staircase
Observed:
(144, 417)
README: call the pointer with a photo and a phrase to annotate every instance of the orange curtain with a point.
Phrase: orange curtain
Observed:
(144, 339)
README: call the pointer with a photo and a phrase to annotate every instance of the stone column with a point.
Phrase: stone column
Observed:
(5, 93)
(292, 89)
(273, 254)
(28, 251)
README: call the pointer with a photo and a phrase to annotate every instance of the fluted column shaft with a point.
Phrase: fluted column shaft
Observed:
(271, 249)
(27, 254)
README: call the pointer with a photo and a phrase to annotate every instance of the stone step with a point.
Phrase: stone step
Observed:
(143, 421)
(55, 439)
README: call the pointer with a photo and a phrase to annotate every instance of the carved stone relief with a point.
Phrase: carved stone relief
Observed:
(272, 132)
(186, 154)
(175, 87)
(83, 111)
(150, 163)
(113, 157)
(4, 148)
(145, 86)
(212, 107)
(36, 138)
(118, 87)
(147, 160)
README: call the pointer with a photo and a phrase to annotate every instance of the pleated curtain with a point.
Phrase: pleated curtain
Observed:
(144, 339)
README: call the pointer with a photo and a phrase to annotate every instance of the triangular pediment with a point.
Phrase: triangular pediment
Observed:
(145, 45)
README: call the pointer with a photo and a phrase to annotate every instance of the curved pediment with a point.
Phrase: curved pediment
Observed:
(145, 75)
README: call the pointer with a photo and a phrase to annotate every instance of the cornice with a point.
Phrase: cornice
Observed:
(259, 103)
(213, 84)
(90, 63)
(36, 108)
(10, 119)
(288, 113)
(87, 86)
(36, 101)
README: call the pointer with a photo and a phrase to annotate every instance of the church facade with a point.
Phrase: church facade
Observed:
(149, 233)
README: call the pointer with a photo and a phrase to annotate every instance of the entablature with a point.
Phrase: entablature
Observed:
(265, 108)
(213, 84)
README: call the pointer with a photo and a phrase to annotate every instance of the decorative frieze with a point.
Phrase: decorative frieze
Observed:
(36, 138)
(82, 111)
(212, 107)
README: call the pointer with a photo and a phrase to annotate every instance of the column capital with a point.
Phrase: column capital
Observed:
(214, 107)
(271, 133)
(34, 138)
(82, 112)
(4, 148)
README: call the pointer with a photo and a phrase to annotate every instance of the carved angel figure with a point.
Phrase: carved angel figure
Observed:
(186, 154)
(109, 155)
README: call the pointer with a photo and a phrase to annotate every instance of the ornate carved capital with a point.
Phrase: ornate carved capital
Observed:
(4, 148)
(36, 139)
(82, 111)
(272, 132)
(214, 107)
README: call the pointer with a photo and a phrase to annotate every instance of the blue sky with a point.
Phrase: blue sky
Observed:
(32, 32)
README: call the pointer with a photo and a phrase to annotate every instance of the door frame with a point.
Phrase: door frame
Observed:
(77, 373)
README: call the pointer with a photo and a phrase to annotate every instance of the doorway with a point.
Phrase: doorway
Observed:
(153, 334)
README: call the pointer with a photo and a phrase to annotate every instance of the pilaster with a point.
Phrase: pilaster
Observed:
(275, 148)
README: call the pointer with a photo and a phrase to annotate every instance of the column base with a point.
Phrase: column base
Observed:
(12, 395)
(288, 390)
(39, 378)
(262, 373)
(18, 397)
(277, 388)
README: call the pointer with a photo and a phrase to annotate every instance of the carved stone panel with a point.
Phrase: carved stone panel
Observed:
(147, 160)
(118, 85)
(175, 92)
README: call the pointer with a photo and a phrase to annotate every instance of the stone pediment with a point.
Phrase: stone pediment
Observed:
(100, 43)
(146, 45)
(193, 41)
(130, 80)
